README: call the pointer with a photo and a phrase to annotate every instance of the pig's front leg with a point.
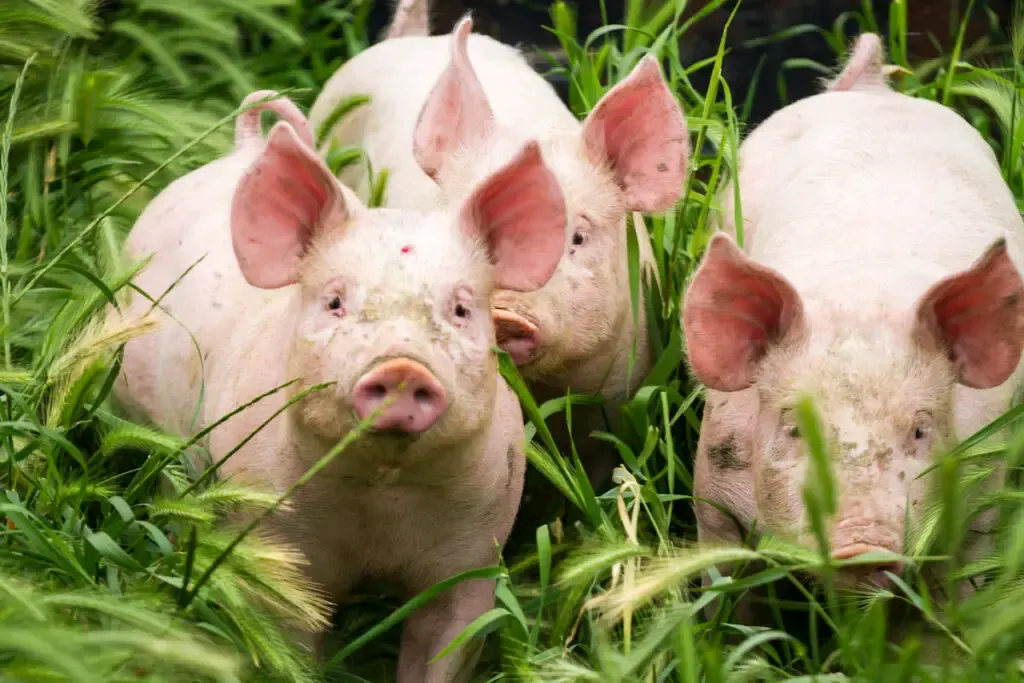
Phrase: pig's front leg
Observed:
(430, 629)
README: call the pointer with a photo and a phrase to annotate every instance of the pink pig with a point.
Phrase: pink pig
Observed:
(300, 280)
(880, 274)
(458, 108)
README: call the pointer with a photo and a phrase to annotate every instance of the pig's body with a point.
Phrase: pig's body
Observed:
(462, 106)
(523, 103)
(300, 281)
(187, 225)
(863, 200)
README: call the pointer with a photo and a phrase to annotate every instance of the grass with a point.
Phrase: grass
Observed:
(114, 561)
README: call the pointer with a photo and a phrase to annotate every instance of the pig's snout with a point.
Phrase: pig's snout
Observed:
(516, 335)
(415, 398)
(872, 574)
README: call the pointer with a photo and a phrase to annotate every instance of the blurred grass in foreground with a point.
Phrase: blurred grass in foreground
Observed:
(107, 538)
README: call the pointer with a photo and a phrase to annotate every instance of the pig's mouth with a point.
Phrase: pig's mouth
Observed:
(515, 334)
(870, 574)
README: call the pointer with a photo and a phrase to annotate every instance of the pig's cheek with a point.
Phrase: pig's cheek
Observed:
(474, 370)
(320, 411)
(334, 351)
(778, 510)
(918, 494)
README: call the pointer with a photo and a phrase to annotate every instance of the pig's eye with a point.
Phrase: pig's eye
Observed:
(924, 427)
(789, 426)
(460, 308)
(579, 237)
(334, 304)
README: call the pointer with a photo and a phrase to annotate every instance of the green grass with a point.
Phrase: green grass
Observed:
(114, 563)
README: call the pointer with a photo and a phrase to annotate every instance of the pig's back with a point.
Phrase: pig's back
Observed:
(889, 195)
(399, 74)
(186, 228)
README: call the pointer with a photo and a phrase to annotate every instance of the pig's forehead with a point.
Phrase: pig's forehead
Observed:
(873, 371)
(589, 189)
(403, 246)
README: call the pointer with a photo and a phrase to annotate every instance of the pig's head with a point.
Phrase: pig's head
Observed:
(393, 306)
(630, 155)
(883, 381)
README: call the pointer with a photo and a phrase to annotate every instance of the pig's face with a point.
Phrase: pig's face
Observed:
(882, 380)
(585, 306)
(885, 405)
(392, 307)
(631, 154)
(397, 285)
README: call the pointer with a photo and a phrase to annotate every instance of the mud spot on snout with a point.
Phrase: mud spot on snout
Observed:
(723, 455)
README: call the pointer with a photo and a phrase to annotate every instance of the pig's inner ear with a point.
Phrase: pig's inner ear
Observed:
(284, 198)
(735, 309)
(638, 130)
(456, 111)
(977, 318)
(519, 212)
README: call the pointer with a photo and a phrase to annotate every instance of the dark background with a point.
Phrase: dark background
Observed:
(933, 25)
(522, 21)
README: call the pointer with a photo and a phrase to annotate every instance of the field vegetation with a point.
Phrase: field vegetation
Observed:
(113, 564)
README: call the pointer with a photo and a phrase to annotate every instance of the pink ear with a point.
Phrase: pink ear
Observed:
(864, 67)
(639, 130)
(977, 317)
(734, 309)
(247, 125)
(280, 203)
(520, 212)
(456, 111)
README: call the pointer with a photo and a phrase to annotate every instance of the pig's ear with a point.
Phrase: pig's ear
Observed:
(456, 111)
(735, 309)
(519, 211)
(639, 131)
(285, 197)
(976, 317)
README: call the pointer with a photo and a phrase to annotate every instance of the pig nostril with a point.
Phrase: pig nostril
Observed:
(407, 395)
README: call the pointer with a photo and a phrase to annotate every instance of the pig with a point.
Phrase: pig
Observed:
(390, 308)
(879, 274)
(410, 18)
(459, 107)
